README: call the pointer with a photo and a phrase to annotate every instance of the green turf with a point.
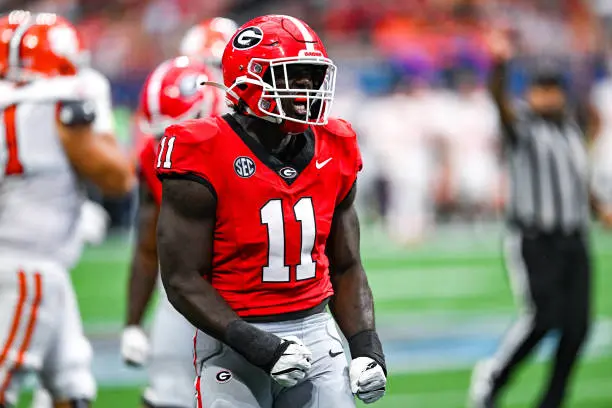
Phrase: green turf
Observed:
(426, 279)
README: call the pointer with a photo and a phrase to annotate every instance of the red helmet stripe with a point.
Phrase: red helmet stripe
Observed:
(306, 35)
(154, 89)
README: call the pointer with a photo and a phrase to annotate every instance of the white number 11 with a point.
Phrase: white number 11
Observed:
(272, 216)
(166, 163)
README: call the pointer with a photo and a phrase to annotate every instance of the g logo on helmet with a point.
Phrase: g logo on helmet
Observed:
(189, 85)
(248, 38)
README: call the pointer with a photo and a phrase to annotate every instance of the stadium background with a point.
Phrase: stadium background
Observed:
(442, 297)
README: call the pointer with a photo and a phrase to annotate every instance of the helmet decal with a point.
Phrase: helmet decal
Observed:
(189, 85)
(248, 38)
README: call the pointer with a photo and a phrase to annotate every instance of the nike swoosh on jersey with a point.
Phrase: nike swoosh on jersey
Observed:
(320, 165)
(332, 354)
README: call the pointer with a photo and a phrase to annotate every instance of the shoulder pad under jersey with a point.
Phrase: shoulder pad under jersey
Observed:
(339, 127)
(187, 149)
(194, 130)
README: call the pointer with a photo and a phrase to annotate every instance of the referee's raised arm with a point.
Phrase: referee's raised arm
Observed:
(501, 50)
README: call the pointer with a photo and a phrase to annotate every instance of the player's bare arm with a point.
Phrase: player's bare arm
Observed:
(143, 271)
(501, 49)
(97, 159)
(352, 304)
(187, 215)
(142, 280)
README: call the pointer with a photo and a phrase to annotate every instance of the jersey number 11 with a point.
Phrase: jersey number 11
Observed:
(277, 269)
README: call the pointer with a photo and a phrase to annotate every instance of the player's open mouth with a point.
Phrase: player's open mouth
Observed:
(299, 106)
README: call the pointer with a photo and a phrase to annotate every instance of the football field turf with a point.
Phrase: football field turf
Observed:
(440, 307)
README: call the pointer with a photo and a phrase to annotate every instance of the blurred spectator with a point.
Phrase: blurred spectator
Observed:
(399, 129)
(128, 37)
(469, 133)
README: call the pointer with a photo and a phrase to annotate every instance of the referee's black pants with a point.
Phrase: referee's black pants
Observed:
(551, 273)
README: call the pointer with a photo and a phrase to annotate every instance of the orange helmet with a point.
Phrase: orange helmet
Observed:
(38, 45)
(207, 40)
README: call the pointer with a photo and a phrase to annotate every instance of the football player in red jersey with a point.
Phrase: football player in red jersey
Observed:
(171, 94)
(257, 232)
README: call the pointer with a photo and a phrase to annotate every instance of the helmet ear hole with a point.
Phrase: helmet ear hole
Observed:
(242, 86)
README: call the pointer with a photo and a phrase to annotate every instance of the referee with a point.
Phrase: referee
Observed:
(546, 247)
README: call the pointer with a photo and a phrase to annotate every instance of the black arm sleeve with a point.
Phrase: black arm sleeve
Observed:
(76, 113)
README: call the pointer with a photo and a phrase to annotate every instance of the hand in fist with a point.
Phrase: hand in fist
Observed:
(293, 363)
(134, 346)
(368, 380)
(500, 46)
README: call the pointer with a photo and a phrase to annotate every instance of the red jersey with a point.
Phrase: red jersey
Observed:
(147, 159)
(272, 218)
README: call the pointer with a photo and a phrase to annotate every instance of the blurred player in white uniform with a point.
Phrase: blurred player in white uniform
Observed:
(469, 133)
(48, 145)
(94, 220)
(401, 125)
(168, 96)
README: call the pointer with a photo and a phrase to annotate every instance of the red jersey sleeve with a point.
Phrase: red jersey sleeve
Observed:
(186, 151)
(147, 159)
(349, 154)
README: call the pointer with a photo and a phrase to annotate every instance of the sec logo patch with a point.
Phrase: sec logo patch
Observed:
(223, 376)
(244, 166)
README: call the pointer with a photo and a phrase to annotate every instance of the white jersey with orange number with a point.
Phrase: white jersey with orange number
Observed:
(40, 194)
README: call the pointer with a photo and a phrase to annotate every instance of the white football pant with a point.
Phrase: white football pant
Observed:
(41, 331)
(225, 379)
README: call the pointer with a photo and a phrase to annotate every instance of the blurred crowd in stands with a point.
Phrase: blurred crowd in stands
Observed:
(412, 78)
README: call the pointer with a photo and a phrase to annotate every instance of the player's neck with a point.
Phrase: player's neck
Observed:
(266, 133)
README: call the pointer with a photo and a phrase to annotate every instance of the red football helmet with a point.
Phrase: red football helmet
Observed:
(257, 68)
(172, 93)
(38, 45)
(207, 40)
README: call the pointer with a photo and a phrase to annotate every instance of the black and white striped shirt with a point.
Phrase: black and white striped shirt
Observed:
(548, 169)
